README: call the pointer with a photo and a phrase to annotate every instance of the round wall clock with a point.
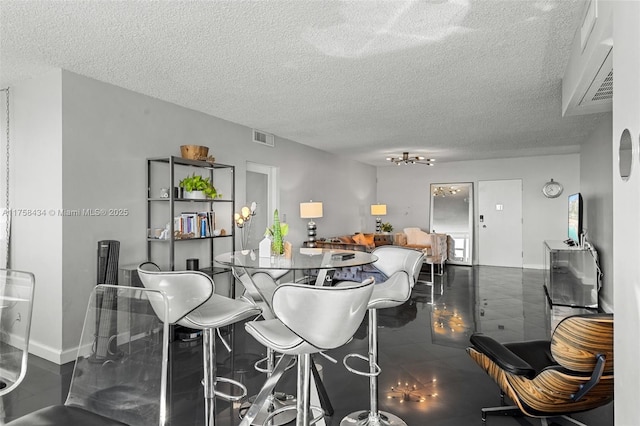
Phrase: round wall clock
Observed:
(552, 189)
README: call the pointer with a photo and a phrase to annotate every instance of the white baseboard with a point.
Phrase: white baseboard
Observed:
(533, 266)
(52, 354)
(70, 354)
(606, 307)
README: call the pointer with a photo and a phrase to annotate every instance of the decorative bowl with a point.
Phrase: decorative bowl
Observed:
(194, 152)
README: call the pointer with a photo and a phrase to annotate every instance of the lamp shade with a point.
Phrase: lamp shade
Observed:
(378, 209)
(310, 210)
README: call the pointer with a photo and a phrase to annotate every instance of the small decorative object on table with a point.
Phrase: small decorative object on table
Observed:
(386, 227)
(342, 256)
(277, 232)
(264, 248)
(288, 250)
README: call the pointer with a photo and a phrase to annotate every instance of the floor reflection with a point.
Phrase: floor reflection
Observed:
(398, 316)
(452, 310)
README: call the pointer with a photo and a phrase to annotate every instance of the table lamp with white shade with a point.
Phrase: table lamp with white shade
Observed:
(311, 210)
(378, 210)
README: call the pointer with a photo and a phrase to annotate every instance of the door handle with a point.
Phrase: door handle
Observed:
(484, 226)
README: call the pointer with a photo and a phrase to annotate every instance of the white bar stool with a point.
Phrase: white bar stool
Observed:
(260, 287)
(309, 320)
(193, 304)
(402, 266)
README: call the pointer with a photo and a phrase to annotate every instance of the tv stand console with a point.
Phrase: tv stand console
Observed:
(572, 275)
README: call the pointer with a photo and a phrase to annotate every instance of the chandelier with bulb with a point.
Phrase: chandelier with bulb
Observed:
(441, 191)
(406, 159)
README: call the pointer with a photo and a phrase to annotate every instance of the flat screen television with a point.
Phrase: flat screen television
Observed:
(575, 218)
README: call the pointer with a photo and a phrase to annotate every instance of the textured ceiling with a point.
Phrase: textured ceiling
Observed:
(454, 80)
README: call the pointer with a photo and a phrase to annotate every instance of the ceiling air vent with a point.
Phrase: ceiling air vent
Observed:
(606, 89)
(587, 83)
(600, 91)
(263, 138)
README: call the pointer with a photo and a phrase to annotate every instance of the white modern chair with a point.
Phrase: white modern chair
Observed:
(402, 267)
(309, 320)
(259, 287)
(193, 304)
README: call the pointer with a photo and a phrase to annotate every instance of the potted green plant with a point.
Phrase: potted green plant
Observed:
(277, 232)
(386, 227)
(197, 187)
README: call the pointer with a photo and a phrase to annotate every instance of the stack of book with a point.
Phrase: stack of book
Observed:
(195, 225)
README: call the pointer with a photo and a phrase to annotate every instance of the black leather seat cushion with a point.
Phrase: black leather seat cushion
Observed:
(523, 358)
(537, 353)
(58, 415)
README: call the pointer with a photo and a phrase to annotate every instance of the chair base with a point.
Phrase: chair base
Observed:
(274, 402)
(363, 418)
(503, 410)
(567, 418)
(266, 392)
(514, 411)
(294, 409)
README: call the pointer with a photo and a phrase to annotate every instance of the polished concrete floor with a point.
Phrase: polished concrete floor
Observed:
(427, 378)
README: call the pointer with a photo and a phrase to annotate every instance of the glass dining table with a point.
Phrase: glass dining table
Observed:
(247, 265)
(302, 259)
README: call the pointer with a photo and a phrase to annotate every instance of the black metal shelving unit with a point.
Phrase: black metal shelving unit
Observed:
(158, 178)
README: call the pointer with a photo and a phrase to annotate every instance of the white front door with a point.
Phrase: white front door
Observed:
(500, 223)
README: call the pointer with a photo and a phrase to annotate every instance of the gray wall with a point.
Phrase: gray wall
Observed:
(405, 190)
(97, 160)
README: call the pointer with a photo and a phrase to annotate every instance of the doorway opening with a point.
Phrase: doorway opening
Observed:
(262, 187)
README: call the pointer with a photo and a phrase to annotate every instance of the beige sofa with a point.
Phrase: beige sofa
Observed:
(434, 245)
(357, 242)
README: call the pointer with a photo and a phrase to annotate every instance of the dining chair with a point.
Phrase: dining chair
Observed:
(259, 286)
(126, 385)
(308, 319)
(16, 307)
(194, 304)
(402, 267)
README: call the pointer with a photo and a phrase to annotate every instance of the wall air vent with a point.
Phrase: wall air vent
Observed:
(263, 138)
